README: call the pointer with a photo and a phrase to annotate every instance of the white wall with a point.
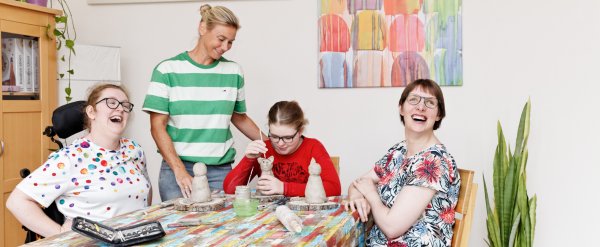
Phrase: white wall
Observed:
(546, 50)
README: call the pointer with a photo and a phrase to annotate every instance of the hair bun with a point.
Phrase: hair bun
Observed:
(204, 8)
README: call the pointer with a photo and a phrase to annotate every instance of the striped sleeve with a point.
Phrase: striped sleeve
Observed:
(240, 102)
(157, 97)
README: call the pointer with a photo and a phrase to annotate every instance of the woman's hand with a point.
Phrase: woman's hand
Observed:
(359, 204)
(269, 185)
(357, 201)
(184, 180)
(255, 148)
(365, 186)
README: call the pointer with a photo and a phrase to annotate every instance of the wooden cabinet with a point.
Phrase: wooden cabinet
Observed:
(25, 114)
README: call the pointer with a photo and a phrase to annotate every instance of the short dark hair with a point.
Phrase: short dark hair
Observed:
(428, 86)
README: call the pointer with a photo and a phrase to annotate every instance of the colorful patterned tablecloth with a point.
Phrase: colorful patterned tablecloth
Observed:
(335, 227)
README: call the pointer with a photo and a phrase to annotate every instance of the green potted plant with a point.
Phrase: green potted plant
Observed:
(65, 34)
(511, 218)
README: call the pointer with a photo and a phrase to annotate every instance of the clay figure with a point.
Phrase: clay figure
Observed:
(266, 167)
(315, 192)
(200, 188)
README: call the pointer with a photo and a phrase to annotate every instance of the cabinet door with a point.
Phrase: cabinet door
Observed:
(21, 54)
(23, 116)
(22, 150)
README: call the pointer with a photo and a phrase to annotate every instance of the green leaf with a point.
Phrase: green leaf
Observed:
(60, 19)
(523, 204)
(508, 203)
(500, 160)
(68, 91)
(68, 99)
(49, 32)
(514, 228)
(523, 160)
(71, 71)
(532, 215)
(58, 33)
(62, 58)
(516, 221)
(491, 221)
(62, 75)
(523, 132)
(69, 43)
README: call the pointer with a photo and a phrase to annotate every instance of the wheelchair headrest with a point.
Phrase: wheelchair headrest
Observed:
(67, 120)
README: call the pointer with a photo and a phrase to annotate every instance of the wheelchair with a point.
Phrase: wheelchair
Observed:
(67, 120)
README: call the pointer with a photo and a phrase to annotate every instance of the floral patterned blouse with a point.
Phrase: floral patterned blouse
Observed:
(90, 181)
(432, 168)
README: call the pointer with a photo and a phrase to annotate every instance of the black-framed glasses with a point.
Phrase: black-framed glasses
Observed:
(113, 103)
(285, 139)
(430, 102)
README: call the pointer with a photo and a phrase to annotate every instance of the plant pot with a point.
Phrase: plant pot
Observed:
(42, 3)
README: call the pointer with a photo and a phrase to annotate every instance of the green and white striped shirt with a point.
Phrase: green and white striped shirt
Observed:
(199, 100)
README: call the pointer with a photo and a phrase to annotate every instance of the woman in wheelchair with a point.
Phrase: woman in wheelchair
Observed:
(97, 177)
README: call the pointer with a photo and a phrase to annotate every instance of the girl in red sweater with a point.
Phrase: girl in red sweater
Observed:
(292, 154)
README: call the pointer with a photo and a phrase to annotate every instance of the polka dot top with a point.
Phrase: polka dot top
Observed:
(89, 181)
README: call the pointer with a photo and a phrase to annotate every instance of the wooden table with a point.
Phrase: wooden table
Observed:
(334, 227)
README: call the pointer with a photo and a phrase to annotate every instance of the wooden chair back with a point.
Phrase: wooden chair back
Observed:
(464, 209)
(336, 163)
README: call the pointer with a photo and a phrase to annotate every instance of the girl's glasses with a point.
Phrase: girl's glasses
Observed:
(285, 139)
(114, 103)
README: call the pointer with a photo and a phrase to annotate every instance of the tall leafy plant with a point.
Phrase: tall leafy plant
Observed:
(65, 35)
(511, 217)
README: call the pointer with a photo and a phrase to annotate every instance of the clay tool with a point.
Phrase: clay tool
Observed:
(188, 222)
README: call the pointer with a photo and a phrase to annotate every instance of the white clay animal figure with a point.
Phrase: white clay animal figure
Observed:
(266, 167)
(315, 192)
(200, 188)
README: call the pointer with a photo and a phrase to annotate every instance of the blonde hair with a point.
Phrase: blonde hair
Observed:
(218, 15)
(287, 113)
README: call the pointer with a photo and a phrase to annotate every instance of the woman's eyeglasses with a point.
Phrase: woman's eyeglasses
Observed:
(430, 102)
(285, 139)
(114, 103)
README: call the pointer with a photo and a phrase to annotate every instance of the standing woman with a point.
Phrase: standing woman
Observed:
(412, 191)
(192, 100)
(292, 153)
(97, 177)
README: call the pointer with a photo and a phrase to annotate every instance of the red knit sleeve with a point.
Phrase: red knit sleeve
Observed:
(240, 175)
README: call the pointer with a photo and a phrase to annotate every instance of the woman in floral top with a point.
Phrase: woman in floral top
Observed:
(412, 191)
(97, 177)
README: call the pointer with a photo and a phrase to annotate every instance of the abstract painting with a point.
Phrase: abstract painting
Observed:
(389, 43)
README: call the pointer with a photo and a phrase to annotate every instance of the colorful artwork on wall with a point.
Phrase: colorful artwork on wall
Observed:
(389, 43)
